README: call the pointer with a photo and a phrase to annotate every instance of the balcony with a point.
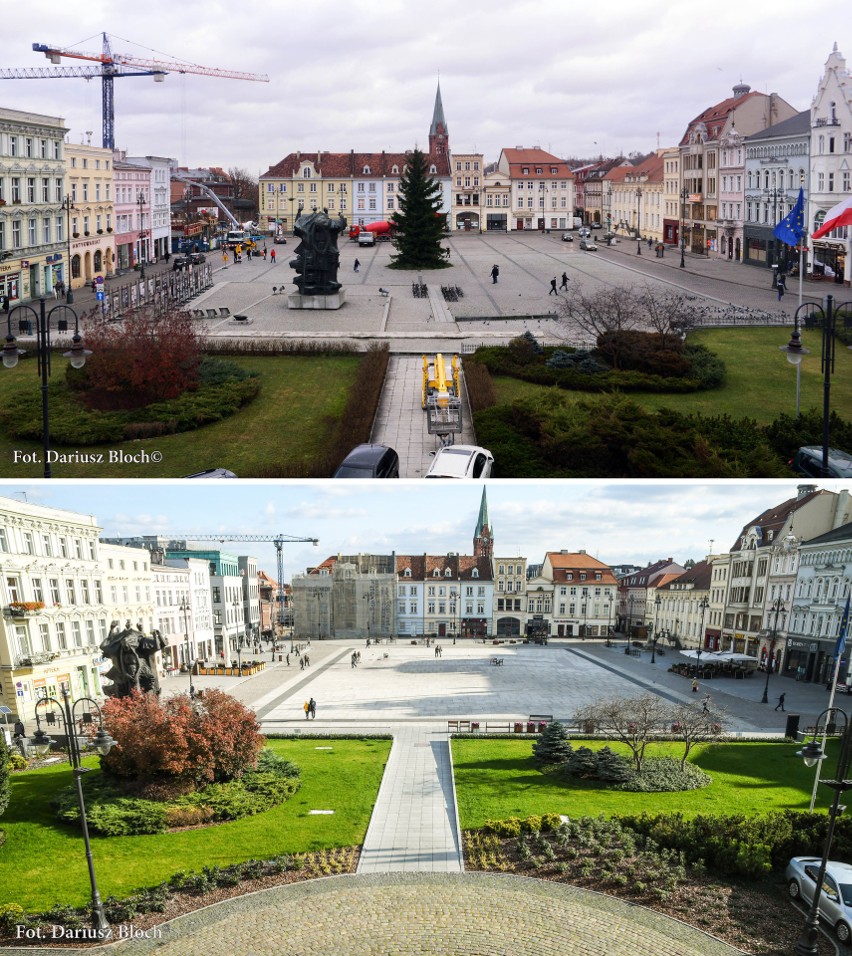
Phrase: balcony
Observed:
(17, 609)
(30, 660)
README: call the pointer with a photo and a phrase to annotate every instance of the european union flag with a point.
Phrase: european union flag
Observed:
(792, 227)
(840, 646)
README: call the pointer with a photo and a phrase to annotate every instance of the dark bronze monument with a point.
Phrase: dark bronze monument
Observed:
(316, 262)
(133, 656)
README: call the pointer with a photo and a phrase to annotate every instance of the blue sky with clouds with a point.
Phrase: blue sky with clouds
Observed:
(574, 78)
(617, 521)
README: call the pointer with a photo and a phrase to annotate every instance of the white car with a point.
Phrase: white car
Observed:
(366, 239)
(835, 901)
(461, 461)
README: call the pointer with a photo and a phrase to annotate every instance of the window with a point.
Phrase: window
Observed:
(61, 638)
(38, 590)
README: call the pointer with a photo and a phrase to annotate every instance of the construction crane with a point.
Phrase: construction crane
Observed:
(279, 540)
(114, 66)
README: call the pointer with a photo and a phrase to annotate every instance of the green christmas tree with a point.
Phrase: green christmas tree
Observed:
(419, 222)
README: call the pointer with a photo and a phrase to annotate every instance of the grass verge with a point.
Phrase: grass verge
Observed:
(344, 779)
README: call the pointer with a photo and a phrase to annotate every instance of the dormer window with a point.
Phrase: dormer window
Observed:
(367, 171)
(306, 173)
(433, 169)
(525, 170)
(538, 170)
(554, 170)
(407, 573)
(475, 573)
(448, 573)
(394, 170)
(436, 573)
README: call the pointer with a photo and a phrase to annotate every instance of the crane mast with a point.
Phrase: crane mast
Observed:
(279, 540)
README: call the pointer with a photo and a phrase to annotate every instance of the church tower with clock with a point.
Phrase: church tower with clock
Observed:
(483, 537)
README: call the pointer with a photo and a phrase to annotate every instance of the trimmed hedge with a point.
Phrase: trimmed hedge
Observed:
(223, 389)
(110, 813)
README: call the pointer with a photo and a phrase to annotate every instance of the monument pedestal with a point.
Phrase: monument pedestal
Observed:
(298, 301)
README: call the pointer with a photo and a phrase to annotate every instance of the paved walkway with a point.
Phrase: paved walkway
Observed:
(475, 914)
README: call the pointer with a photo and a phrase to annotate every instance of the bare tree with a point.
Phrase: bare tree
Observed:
(613, 309)
(694, 725)
(666, 312)
(632, 720)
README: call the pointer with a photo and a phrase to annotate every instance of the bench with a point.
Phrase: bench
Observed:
(224, 312)
(458, 726)
(212, 314)
(496, 661)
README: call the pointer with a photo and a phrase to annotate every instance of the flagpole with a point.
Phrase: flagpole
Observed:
(802, 243)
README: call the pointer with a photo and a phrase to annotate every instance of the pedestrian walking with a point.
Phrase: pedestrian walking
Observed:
(272, 256)
(301, 663)
(564, 281)
(782, 287)
(553, 289)
(437, 651)
(706, 702)
(357, 265)
(358, 657)
(167, 256)
(288, 660)
(650, 242)
(264, 253)
(225, 254)
(352, 660)
(307, 709)
(313, 708)
(94, 285)
(495, 271)
(780, 704)
(307, 660)
(694, 685)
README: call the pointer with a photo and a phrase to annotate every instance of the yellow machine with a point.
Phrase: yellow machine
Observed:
(441, 396)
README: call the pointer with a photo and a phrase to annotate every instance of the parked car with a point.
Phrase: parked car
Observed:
(596, 225)
(808, 461)
(588, 245)
(567, 237)
(461, 461)
(835, 901)
(212, 473)
(196, 258)
(280, 241)
(366, 238)
(369, 461)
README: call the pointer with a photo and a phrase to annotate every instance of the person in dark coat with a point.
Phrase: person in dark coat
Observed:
(312, 706)
(495, 271)
(780, 704)
(564, 281)
(553, 289)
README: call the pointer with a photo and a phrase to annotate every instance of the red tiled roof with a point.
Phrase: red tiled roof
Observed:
(424, 566)
(342, 165)
(773, 519)
(717, 114)
(518, 158)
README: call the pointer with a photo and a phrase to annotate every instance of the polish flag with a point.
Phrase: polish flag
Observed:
(840, 215)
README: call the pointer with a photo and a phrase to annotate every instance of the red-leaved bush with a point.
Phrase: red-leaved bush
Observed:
(194, 742)
(144, 358)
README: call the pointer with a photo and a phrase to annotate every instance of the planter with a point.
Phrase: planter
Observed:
(530, 727)
(100, 232)
(76, 235)
(24, 608)
(519, 727)
(541, 725)
(474, 725)
(109, 229)
(587, 726)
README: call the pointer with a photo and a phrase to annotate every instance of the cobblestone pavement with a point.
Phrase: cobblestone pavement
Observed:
(475, 914)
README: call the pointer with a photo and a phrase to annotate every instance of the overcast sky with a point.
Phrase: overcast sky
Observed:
(617, 521)
(578, 79)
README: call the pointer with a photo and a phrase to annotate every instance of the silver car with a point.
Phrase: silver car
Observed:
(835, 901)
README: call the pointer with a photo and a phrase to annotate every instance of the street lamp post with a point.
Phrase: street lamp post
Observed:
(184, 609)
(812, 754)
(684, 195)
(67, 205)
(629, 624)
(655, 632)
(638, 220)
(102, 743)
(776, 608)
(703, 604)
(77, 356)
(140, 199)
(795, 351)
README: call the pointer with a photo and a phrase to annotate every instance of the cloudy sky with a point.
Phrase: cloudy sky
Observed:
(617, 521)
(579, 79)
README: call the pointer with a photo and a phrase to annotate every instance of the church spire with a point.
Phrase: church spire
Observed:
(483, 538)
(438, 132)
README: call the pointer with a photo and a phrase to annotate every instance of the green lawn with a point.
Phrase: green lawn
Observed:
(760, 383)
(496, 779)
(287, 425)
(44, 862)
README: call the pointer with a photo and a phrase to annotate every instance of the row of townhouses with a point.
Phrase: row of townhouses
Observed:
(62, 585)
(71, 213)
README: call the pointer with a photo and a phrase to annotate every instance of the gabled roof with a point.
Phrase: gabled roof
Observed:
(797, 125)
(774, 518)
(843, 533)
(698, 576)
(648, 576)
(717, 115)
